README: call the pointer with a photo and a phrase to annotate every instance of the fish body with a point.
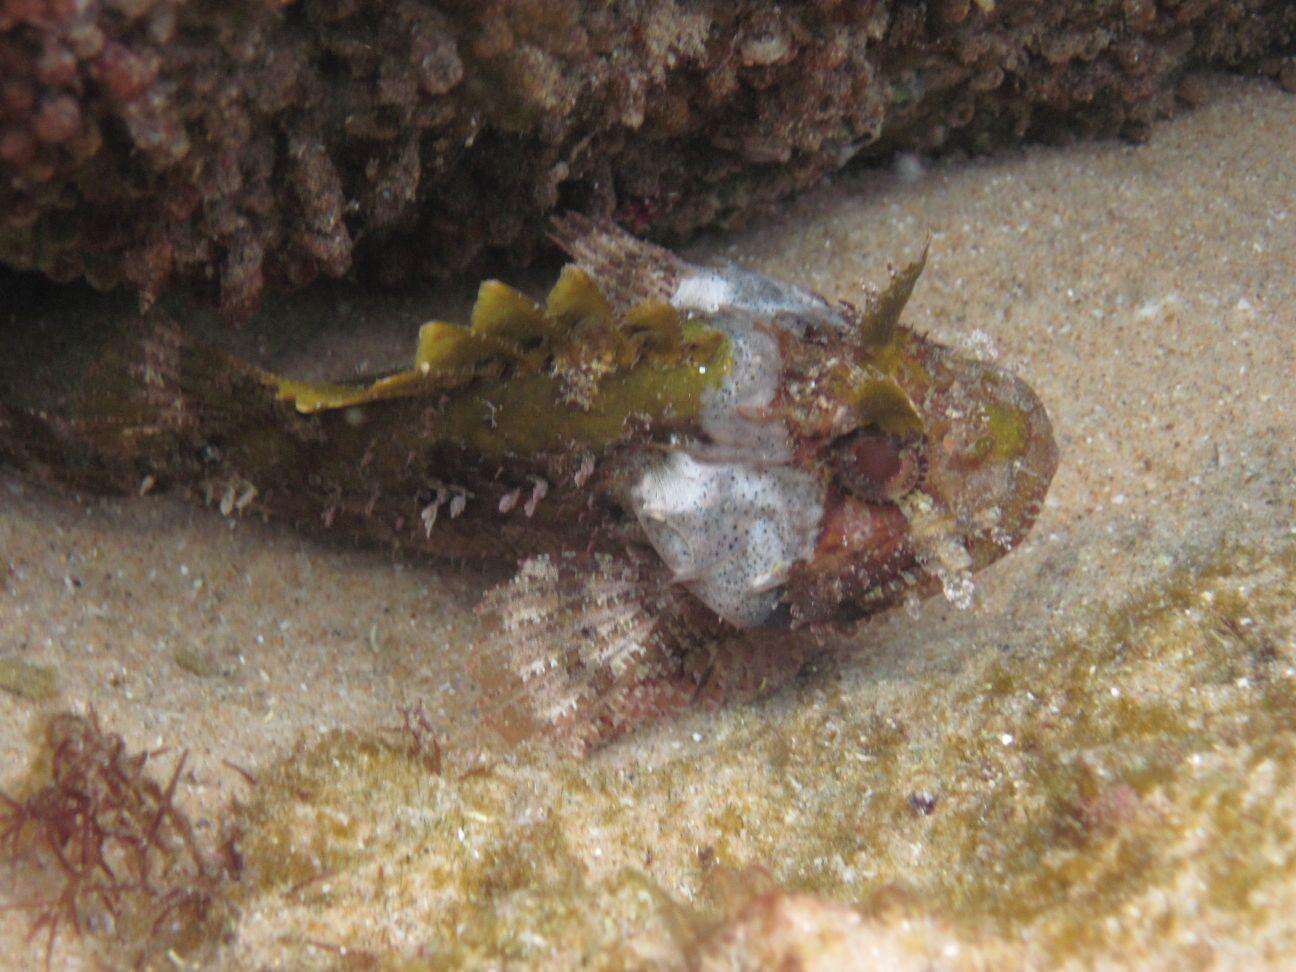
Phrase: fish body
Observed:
(699, 471)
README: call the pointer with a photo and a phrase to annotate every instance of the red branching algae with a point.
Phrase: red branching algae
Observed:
(105, 848)
(420, 738)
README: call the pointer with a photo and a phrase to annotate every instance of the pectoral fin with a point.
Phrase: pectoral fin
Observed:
(568, 634)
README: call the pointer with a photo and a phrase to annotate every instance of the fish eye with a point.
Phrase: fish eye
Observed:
(875, 465)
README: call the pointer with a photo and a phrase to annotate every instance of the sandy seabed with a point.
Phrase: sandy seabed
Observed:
(1147, 292)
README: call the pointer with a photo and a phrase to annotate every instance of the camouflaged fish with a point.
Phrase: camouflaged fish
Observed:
(699, 471)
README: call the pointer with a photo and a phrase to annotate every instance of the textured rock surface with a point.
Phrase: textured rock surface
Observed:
(151, 142)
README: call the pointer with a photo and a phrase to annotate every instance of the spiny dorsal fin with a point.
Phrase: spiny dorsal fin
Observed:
(628, 270)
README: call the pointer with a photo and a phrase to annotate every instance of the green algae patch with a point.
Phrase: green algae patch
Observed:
(354, 846)
(523, 378)
(1009, 431)
(35, 683)
(502, 418)
(197, 663)
(1129, 790)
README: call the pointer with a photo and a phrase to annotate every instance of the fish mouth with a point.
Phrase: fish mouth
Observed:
(861, 564)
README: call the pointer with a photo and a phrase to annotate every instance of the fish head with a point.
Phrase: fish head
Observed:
(843, 462)
(932, 465)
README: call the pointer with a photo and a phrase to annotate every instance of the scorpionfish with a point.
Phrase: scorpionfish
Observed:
(698, 472)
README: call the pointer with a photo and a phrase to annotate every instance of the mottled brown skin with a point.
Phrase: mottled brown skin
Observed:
(599, 637)
(209, 421)
(865, 558)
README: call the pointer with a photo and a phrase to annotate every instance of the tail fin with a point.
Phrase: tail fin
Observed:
(116, 410)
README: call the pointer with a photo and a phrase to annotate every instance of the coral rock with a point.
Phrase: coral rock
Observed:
(435, 133)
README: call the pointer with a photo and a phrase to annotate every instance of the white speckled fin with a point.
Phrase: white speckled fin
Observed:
(567, 633)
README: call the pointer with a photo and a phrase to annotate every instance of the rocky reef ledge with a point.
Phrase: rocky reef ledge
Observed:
(152, 144)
